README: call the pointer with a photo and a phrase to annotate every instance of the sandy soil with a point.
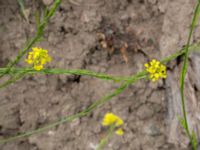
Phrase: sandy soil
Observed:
(150, 28)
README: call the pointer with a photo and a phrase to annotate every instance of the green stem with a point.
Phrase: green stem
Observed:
(105, 140)
(64, 71)
(184, 70)
(193, 48)
(35, 39)
(85, 112)
(12, 79)
(129, 80)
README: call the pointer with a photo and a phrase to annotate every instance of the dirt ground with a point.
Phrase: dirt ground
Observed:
(150, 28)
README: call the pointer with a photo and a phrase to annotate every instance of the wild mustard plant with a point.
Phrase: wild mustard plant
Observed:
(112, 120)
(41, 24)
(38, 57)
(156, 70)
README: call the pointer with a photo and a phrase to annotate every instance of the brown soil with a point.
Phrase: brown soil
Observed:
(150, 28)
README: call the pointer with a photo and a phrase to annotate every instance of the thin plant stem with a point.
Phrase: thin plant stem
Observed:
(185, 66)
(36, 38)
(87, 111)
(20, 72)
(130, 80)
(31, 71)
(28, 71)
(184, 71)
(13, 79)
(105, 140)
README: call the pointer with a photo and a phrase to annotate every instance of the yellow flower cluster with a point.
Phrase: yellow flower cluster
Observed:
(156, 70)
(38, 57)
(111, 119)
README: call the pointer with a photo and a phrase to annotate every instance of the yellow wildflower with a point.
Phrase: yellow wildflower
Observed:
(119, 132)
(156, 70)
(38, 57)
(111, 119)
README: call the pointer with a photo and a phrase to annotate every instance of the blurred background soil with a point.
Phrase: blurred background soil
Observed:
(110, 36)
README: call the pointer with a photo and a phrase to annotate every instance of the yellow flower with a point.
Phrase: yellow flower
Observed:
(111, 119)
(156, 70)
(119, 132)
(38, 57)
